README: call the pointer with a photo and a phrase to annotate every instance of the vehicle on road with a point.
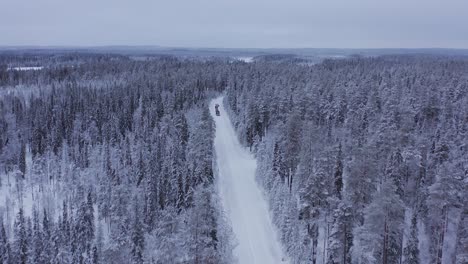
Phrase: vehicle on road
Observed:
(217, 110)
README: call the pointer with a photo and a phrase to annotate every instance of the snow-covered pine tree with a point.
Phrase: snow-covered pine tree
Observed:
(411, 250)
(379, 239)
(137, 235)
(462, 238)
(5, 249)
(21, 243)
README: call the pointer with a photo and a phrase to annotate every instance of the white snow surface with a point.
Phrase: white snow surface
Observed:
(243, 201)
(26, 68)
(246, 59)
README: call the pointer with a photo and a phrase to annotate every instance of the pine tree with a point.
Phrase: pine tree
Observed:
(341, 238)
(137, 236)
(379, 239)
(204, 238)
(48, 243)
(180, 123)
(37, 239)
(22, 160)
(411, 250)
(279, 165)
(84, 228)
(444, 196)
(462, 236)
(395, 172)
(5, 254)
(141, 168)
(20, 244)
(339, 172)
(64, 236)
(95, 256)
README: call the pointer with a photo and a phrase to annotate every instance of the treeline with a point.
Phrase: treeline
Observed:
(363, 159)
(109, 160)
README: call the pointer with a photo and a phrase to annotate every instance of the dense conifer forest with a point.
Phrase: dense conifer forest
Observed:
(110, 158)
(364, 160)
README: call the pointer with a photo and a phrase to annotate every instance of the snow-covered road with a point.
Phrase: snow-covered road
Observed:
(242, 199)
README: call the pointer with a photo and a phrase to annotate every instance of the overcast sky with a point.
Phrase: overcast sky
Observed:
(237, 23)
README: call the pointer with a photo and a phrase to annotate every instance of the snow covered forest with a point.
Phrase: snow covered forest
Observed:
(364, 160)
(110, 158)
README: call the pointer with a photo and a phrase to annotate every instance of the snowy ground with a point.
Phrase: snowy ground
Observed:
(24, 68)
(245, 59)
(241, 198)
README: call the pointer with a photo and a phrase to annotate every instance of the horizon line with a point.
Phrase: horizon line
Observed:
(155, 46)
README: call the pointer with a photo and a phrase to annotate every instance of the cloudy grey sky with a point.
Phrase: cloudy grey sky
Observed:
(237, 23)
